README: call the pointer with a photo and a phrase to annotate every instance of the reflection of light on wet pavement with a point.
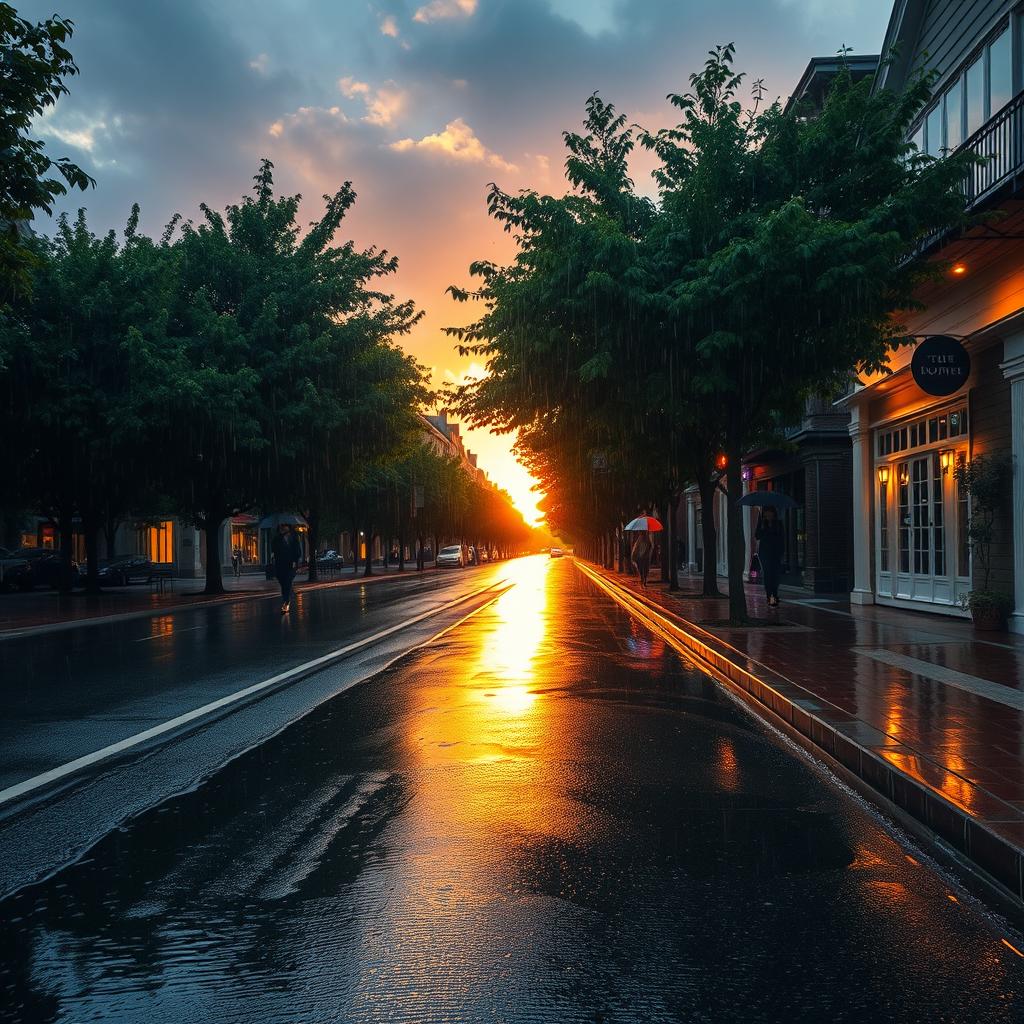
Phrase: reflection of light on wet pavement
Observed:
(728, 769)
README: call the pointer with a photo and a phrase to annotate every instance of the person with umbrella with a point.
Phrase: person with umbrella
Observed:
(770, 545)
(643, 546)
(287, 555)
(771, 539)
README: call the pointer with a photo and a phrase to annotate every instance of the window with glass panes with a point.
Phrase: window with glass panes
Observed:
(977, 93)
(883, 527)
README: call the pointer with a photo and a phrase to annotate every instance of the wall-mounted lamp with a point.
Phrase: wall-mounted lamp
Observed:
(721, 460)
(883, 475)
(747, 473)
(904, 476)
(945, 459)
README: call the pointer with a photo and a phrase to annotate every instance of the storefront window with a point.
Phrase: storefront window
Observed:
(919, 514)
(938, 520)
(963, 522)
(157, 541)
(883, 527)
(246, 540)
(904, 508)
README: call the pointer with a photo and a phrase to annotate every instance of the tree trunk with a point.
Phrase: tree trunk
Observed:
(665, 543)
(709, 534)
(419, 553)
(67, 540)
(313, 540)
(368, 568)
(734, 536)
(110, 525)
(91, 530)
(401, 551)
(211, 528)
(673, 542)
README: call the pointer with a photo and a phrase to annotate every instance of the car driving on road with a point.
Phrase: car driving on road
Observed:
(450, 556)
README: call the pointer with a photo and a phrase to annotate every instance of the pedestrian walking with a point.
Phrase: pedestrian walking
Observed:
(641, 556)
(770, 545)
(287, 553)
(236, 562)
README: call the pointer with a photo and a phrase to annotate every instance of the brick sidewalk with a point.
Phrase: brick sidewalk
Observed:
(922, 693)
(44, 610)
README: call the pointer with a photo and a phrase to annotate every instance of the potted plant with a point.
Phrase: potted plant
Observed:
(984, 479)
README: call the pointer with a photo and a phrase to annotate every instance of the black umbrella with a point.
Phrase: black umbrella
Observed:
(767, 499)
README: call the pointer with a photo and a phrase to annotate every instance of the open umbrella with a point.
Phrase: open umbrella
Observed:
(767, 499)
(643, 524)
(272, 522)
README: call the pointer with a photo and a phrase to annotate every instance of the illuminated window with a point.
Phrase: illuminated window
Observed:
(158, 541)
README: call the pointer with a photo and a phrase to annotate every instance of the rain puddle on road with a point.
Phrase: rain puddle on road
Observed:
(544, 816)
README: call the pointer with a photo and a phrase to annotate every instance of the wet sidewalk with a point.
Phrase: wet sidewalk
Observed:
(918, 706)
(44, 611)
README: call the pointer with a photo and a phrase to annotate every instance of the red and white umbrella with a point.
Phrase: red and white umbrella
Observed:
(643, 524)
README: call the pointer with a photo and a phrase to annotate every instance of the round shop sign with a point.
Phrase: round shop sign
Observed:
(941, 365)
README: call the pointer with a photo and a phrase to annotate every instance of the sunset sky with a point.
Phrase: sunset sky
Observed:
(420, 104)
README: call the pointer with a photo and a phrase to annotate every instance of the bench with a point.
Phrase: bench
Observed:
(161, 581)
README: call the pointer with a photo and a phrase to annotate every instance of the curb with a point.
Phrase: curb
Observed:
(826, 729)
(17, 633)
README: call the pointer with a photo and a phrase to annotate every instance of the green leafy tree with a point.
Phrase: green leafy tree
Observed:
(280, 381)
(34, 63)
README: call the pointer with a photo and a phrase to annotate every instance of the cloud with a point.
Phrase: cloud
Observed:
(260, 64)
(474, 372)
(389, 27)
(457, 141)
(383, 105)
(438, 10)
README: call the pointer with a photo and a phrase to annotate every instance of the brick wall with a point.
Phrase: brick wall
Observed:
(990, 435)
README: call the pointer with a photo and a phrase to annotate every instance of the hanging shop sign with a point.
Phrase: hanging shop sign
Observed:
(941, 365)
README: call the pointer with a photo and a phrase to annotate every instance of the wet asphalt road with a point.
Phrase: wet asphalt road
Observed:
(66, 694)
(547, 816)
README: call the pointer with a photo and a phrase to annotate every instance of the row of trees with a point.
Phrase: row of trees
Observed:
(639, 344)
(234, 363)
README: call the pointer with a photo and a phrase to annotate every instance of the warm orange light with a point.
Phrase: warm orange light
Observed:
(721, 460)
(883, 474)
(946, 459)
(904, 476)
(959, 269)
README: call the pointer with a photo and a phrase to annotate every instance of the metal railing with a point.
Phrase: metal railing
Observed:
(1000, 140)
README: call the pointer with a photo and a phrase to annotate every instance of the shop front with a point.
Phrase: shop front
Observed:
(921, 515)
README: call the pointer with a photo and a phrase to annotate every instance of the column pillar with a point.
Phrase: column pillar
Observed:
(1013, 371)
(691, 533)
(863, 494)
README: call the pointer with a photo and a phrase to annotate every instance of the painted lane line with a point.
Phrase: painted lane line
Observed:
(87, 760)
(168, 636)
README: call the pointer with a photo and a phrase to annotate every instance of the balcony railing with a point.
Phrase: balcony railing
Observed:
(1000, 140)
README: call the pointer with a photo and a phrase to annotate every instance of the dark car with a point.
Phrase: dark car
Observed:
(46, 566)
(119, 572)
(15, 571)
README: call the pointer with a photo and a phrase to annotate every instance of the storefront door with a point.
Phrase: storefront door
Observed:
(915, 507)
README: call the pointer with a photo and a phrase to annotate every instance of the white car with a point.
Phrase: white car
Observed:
(556, 552)
(450, 556)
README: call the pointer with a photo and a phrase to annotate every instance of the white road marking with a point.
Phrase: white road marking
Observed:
(87, 760)
(168, 636)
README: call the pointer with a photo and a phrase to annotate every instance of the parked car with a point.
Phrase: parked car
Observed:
(119, 572)
(556, 552)
(450, 556)
(46, 566)
(15, 571)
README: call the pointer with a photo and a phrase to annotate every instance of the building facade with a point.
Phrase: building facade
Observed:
(910, 517)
